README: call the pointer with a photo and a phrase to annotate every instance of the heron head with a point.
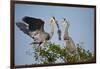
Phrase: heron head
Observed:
(66, 22)
(52, 20)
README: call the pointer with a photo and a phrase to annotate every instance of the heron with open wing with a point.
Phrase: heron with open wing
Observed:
(34, 27)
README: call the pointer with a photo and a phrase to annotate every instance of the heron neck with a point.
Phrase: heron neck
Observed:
(66, 29)
(52, 28)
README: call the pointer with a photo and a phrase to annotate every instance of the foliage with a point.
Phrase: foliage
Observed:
(52, 53)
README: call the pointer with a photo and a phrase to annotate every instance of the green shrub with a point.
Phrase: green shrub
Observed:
(51, 52)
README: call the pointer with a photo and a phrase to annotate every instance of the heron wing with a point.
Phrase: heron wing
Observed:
(34, 23)
(23, 27)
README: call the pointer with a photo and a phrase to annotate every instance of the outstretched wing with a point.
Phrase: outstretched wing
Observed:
(34, 23)
(23, 27)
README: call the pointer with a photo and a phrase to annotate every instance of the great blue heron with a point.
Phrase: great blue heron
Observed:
(68, 40)
(34, 27)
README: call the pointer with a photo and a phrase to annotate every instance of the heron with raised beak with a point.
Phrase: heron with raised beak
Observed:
(70, 45)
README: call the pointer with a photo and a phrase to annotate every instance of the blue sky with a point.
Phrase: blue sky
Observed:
(81, 27)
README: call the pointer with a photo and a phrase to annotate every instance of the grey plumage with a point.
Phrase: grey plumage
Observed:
(70, 45)
(23, 27)
(34, 27)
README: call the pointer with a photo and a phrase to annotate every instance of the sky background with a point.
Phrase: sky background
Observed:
(81, 27)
